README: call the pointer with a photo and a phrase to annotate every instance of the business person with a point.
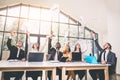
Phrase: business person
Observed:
(35, 48)
(15, 53)
(67, 57)
(55, 54)
(106, 56)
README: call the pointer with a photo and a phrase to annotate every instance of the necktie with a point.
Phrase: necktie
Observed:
(18, 53)
(104, 55)
(56, 55)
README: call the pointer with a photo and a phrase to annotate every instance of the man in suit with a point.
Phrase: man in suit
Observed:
(106, 56)
(55, 54)
(15, 53)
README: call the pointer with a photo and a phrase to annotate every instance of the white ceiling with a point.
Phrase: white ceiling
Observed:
(92, 13)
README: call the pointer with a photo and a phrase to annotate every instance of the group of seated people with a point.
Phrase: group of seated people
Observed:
(64, 56)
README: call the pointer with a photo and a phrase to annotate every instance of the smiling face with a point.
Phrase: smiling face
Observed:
(19, 44)
(107, 46)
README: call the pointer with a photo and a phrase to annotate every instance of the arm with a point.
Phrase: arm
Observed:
(43, 46)
(96, 41)
(9, 43)
(49, 44)
(97, 45)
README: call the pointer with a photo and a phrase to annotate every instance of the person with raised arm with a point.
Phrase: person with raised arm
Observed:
(106, 56)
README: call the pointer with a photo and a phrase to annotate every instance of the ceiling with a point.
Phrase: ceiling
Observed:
(91, 13)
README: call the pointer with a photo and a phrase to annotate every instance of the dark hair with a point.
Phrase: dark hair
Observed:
(37, 47)
(110, 47)
(58, 45)
(76, 48)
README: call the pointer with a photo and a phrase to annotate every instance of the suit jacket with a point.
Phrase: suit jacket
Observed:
(14, 50)
(111, 58)
(52, 51)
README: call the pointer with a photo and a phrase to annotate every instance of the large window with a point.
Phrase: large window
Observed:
(40, 22)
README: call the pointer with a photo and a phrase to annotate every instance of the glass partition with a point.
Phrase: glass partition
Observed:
(39, 22)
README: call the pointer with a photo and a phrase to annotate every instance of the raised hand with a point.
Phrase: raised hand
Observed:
(93, 35)
(12, 33)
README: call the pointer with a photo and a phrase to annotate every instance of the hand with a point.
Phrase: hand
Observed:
(93, 35)
(28, 33)
(23, 59)
(12, 33)
(104, 62)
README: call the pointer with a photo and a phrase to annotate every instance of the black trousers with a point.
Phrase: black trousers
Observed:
(17, 75)
(58, 72)
(97, 74)
(33, 74)
(81, 73)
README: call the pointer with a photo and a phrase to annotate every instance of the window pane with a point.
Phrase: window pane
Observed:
(1, 37)
(55, 28)
(23, 26)
(45, 14)
(33, 26)
(43, 44)
(32, 40)
(55, 17)
(24, 11)
(2, 23)
(62, 42)
(64, 30)
(45, 27)
(81, 32)
(3, 12)
(87, 34)
(72, 42)
(11, 24)
(73, 31)
(86, 45)
(63, 18)
(34, 13)
(14, 11)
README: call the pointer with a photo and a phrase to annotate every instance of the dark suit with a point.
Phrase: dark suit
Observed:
(110, 60)
(13, 55)
(52, 52)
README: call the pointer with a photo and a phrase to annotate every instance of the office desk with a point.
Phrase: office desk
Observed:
(83, 66)
(6, 66)
(51, 65)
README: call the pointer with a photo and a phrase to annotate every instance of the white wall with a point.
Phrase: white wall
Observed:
(114, 35)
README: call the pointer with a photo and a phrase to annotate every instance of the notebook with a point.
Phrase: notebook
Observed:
(76, 56)
(35, 56)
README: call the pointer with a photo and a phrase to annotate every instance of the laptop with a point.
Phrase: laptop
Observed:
(35, 56)
(76, 56)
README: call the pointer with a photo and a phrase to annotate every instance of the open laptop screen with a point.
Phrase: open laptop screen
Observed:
(35, 56)
(76, 56)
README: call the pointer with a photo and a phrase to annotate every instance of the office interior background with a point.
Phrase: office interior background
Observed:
(78, 17)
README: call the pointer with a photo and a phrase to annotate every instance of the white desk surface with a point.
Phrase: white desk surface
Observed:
(45, 64)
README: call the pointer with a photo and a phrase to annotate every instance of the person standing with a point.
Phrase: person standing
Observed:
(106, 56)
(16, 53)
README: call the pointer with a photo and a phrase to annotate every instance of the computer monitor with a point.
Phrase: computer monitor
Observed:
(76, 56)
(35, 56)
